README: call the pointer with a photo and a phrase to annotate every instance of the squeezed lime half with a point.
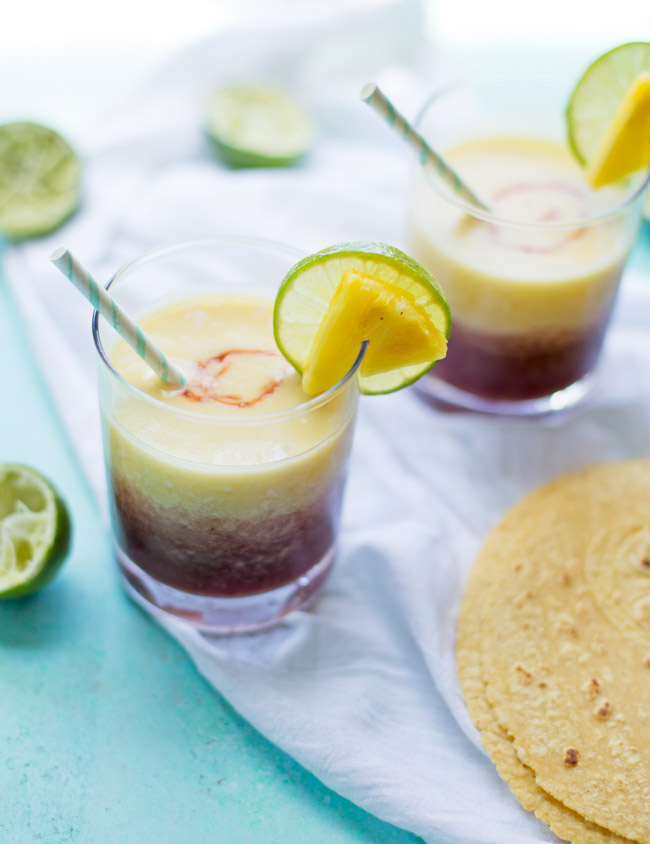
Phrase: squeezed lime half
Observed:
(40, 180)
(307, 290)
(35, 531)
(258, 126)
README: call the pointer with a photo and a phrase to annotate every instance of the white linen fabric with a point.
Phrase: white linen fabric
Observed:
(361, 690)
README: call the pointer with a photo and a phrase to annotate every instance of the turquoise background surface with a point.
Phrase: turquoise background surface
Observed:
(107, 732)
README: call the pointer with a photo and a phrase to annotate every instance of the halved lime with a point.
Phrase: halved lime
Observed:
(308, 289)
(40, 180)
(598, 94)
(258, 126)
(34, 531)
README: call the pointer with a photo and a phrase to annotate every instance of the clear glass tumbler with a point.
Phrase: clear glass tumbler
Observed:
(532, 281)
(228, 520)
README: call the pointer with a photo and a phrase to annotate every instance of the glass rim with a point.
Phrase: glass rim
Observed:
(301, 409)
(487, 216)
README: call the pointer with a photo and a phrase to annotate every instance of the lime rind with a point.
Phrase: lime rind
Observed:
(241, 159)
(40, 180)
(307, 290)
(598, 94)
(258, 126)
(391, 382)
(35, 531)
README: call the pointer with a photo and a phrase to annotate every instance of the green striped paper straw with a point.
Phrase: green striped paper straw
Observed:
(103, 302)
(429, 158)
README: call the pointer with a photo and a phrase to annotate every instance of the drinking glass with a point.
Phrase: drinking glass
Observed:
(532, 281)
(230, 521)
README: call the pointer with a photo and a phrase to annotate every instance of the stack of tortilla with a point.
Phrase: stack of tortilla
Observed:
(554, 652)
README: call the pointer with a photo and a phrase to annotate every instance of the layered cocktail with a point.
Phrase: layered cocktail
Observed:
(531, 281)
(225, 494)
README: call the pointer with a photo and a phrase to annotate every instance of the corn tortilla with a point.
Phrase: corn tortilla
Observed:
(559, 602)
(565, 823)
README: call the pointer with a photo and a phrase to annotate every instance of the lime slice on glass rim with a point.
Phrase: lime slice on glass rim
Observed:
(328, 302)
(258, 126)
(598, 94)
(40, 180)
(35, 531)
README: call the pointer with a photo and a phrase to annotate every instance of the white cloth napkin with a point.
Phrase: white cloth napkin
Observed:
(361, 690)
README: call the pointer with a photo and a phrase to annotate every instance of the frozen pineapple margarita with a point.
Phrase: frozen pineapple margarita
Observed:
(226, 491)
(531, 281)
(275, 487)
(530, 304)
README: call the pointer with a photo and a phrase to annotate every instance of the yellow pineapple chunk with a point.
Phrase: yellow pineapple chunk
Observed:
(626, 146)
(400, 332)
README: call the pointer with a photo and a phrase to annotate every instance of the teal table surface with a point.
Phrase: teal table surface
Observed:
(107, 732)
